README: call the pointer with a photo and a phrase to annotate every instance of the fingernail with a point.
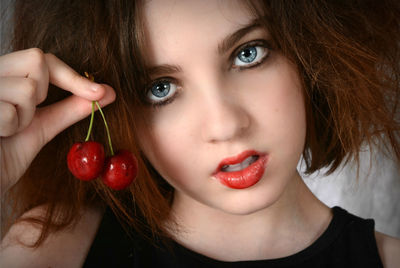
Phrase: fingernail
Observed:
(95, 87)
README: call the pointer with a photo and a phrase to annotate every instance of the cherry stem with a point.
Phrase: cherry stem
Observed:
(104, 119)
(91, 123)
(108, 132)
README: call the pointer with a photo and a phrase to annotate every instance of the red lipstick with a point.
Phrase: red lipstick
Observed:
(244, 178)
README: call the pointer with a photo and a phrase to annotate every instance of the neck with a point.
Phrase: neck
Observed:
(289, 225)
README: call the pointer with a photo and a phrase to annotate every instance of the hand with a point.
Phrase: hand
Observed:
(24, 129)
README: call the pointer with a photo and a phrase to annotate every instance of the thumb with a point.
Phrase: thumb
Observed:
(54, 118)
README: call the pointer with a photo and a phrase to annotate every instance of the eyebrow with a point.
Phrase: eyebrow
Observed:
(235, 37)
(223, 47)
(164, 69)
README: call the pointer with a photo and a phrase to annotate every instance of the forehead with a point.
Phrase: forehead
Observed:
(196, 8)
(173, 23)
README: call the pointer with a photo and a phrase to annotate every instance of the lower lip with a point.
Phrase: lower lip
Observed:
(244, 178)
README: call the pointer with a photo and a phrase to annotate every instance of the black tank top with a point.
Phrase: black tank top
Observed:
(349, 241)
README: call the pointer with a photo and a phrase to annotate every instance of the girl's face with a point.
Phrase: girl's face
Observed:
(224, 91)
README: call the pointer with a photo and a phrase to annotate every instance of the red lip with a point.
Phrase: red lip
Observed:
(236, 159)
(243, 178)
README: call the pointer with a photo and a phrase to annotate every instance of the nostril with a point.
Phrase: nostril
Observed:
(227, 121)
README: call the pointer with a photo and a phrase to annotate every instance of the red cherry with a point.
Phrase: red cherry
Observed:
(120, 170)
(86, 160)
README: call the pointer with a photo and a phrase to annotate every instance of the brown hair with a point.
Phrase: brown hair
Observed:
(346, 52)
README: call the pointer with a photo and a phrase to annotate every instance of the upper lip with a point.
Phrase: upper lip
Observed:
(233, 160)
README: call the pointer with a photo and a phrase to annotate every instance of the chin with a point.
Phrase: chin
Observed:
(248, 204)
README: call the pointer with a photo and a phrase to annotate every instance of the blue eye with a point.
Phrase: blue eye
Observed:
(161, 91)
(250, 55)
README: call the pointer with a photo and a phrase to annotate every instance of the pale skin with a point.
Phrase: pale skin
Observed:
(222, 111)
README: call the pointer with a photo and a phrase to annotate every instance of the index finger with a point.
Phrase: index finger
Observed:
(64, 77)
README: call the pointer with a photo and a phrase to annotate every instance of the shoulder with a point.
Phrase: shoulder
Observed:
(389, 249)
(66, 248)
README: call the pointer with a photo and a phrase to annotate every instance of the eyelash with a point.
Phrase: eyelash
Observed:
(168, 100)
(256, 43)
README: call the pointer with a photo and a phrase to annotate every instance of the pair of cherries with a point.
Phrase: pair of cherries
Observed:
(87, 160)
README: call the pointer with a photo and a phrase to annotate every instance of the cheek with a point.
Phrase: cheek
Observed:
(167, 149)
(288, 114)
(276, 103)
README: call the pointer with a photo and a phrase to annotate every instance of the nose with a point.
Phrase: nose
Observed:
(224, 118)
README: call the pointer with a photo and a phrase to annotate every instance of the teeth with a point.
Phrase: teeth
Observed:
(247, 162)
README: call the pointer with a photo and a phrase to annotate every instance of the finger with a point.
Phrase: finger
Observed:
(64, 77)
(21, 93)
(29, 63)
(9, 119)
(45, 68)
(55, 118)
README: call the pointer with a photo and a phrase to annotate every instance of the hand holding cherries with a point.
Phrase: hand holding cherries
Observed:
(86, 160)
